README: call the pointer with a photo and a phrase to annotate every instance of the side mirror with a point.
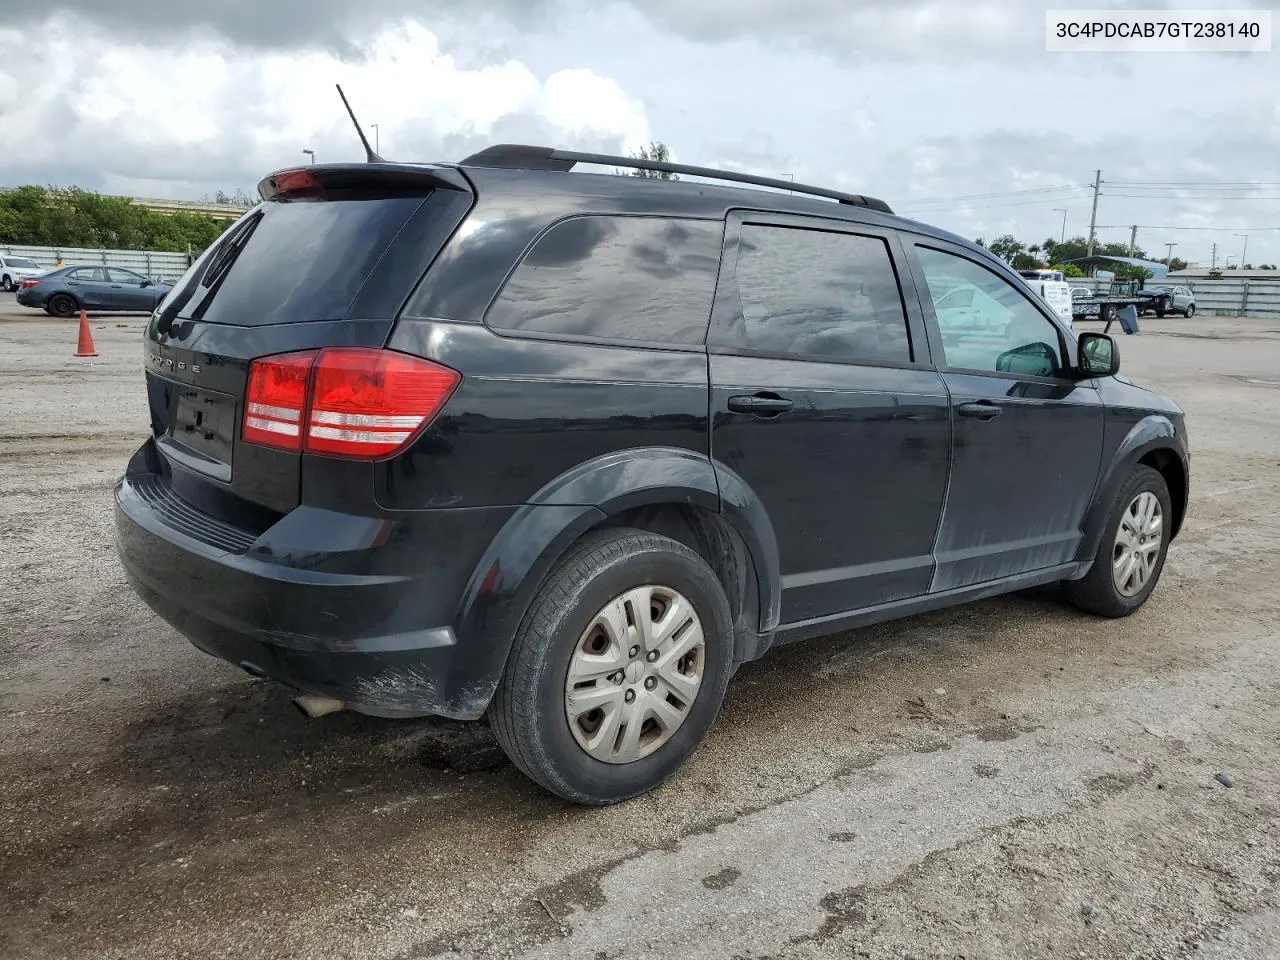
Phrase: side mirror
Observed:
(1099, 355)
(145, 283)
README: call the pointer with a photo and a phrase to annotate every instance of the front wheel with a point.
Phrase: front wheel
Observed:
(1131, 556)
(618, 670)
(1109, 313)
(6, 284)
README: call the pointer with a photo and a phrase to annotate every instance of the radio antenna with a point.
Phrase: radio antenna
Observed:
(370, 156)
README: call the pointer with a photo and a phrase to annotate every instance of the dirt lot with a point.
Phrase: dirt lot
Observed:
(1007, 780)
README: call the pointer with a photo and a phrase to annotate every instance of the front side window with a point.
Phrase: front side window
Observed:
(818, 295)
(647, 279)
(124, 276)
(986, 324)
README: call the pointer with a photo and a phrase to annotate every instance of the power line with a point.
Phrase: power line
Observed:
(1191, 196)
(1196, 183)
(1147, 226)
(996, 196)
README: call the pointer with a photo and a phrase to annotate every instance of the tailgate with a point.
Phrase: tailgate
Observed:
(332, 267)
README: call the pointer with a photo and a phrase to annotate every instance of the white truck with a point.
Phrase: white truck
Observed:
(1051, 287)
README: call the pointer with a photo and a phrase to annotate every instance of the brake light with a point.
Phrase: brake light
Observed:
(29, 283)
(355, 402)
(292, 185)
(277, 399)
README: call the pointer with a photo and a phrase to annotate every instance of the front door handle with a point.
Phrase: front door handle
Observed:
(981, 409)
(762, 404)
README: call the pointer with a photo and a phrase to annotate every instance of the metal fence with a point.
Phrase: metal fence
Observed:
(1227, 297)
(154, 264)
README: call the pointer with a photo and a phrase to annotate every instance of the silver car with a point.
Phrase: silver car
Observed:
(1172, 299)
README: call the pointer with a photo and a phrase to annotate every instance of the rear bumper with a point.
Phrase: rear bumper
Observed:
(375, 634)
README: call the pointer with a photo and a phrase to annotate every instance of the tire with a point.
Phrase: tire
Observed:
(62, 305)
(531, 710)
(1098, 592)
(6, 284)
(1108, 313)
(1190, 311)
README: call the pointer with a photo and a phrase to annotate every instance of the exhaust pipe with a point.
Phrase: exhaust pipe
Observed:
(314, 705)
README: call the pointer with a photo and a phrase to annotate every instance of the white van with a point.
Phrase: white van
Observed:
(1052, 287)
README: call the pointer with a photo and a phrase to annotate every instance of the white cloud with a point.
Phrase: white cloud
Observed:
(204, 112)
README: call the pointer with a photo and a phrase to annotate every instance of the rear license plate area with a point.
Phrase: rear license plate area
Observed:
(201, 431)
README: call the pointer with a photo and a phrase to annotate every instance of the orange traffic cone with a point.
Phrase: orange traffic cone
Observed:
(85, 348)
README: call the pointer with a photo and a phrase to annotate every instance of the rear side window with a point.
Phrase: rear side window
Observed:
(819, 295)
(295, 261)
(648, 279)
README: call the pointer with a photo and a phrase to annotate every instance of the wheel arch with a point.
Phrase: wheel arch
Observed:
(678, 493)
(1155, 442)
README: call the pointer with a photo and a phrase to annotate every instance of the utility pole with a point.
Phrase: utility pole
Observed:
(1133, 239)
(1168, 256)
(1244, 254)
(1213, 264)
(1093, 217)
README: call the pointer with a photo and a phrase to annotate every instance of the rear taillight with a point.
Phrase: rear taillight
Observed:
(349, 402)
(277, 399)
(29, 283)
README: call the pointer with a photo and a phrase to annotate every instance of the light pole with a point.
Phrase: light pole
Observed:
(1168, 255)
(1244, 253)
(311, 154)
(375, 138)
(1063, 239)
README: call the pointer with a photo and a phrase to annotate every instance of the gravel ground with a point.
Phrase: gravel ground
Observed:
(1006, 780)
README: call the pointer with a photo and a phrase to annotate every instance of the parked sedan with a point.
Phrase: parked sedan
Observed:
(65, 291)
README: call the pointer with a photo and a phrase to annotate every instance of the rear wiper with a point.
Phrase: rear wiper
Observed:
(221, 265)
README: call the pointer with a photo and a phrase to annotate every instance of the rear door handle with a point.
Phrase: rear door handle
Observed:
(981, 409)
(761, 404)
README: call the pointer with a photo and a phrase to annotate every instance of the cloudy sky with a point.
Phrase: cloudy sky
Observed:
(951, 110)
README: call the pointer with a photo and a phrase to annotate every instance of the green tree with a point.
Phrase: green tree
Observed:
(78, 218)
(659, 151)
(1006, 248)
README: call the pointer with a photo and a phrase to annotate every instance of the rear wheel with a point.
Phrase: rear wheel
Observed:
(1131, 556)
(618, 670)
(1190, 311)
(62, 305)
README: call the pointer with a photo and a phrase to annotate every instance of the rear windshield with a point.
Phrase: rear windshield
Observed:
(287, 262)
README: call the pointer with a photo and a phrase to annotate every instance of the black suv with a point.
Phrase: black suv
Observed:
(567, 448)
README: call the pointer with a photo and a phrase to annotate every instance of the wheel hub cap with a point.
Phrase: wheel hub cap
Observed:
(621, 701)
(1137, 546)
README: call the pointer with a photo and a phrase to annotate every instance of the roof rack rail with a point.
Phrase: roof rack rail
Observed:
(515, 156)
